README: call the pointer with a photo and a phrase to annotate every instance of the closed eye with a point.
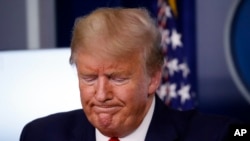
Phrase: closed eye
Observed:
(89, 79)
(119, 80)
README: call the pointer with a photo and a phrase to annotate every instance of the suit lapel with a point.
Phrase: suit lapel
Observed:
(161, 127)
(83, 131)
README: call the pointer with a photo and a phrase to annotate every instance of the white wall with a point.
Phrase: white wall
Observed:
(34, 84)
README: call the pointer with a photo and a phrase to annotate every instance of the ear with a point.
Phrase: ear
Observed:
(154, 82)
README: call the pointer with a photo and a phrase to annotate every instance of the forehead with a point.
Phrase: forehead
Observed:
(106, 57)
(92, 63)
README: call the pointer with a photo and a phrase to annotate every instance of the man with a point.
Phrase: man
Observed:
(119, 61)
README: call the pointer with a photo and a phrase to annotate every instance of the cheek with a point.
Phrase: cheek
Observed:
(135, 101)
(132, 95)
(86, 94)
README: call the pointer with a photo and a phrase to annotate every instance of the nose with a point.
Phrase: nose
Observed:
(103, 90)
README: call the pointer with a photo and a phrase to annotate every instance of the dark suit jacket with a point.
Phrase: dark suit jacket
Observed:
(166, 125)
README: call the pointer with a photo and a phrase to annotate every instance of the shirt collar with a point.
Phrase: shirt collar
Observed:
(139, 134)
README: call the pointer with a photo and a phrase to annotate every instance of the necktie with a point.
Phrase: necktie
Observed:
(114, 139)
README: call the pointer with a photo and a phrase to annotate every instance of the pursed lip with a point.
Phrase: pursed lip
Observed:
(111, 109)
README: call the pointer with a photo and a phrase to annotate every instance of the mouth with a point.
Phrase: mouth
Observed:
(108, 109)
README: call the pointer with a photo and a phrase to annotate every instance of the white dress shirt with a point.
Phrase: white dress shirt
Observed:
(139, 134)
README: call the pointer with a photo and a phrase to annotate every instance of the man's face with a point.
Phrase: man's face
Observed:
(115, 93)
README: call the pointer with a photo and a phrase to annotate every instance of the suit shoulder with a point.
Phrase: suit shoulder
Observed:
(193, 125)
(57, 126)
(209, 127)
(59, 118)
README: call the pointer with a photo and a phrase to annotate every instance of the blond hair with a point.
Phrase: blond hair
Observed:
(126, 31)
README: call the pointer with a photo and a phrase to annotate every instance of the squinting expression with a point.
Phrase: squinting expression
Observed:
(115, 93)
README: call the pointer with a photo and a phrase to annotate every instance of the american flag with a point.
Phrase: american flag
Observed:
(178, 88)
